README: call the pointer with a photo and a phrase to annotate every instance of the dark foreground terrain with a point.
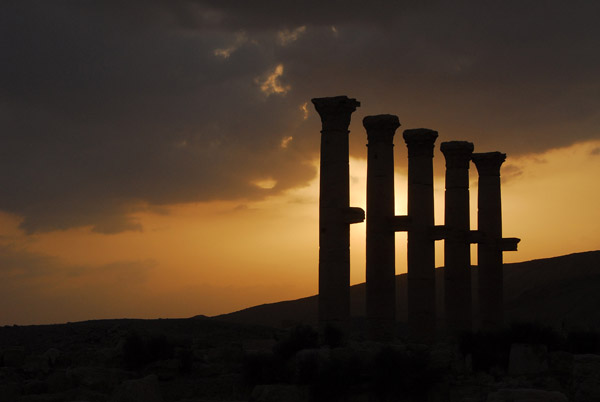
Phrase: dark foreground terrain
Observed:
(128, 360)
(271, 353)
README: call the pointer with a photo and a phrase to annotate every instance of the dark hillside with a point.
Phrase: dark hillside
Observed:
(557, 290)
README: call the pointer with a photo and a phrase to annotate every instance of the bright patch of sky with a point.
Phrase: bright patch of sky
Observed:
(272, 85)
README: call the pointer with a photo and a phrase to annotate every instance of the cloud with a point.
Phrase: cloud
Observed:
(225, 52)
(107, 110)
(511, 172)
(19, 265)
(272, 83)
(286, 36)
(38, 288)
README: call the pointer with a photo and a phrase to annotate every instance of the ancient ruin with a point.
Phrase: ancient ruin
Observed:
(381, 256)
(491, 244)
(336, 215)
(420, 247)
(457, 244)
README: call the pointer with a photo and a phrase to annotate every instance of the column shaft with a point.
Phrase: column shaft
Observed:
(420, 248)
(489, 251)
(380, 256)
(457, 247)
(334, 211)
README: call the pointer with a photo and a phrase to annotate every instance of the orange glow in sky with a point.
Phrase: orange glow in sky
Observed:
(217, 257)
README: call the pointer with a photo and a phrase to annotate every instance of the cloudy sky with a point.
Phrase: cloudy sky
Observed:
(159, 158)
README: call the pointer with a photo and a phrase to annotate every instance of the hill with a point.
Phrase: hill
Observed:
(561, 290)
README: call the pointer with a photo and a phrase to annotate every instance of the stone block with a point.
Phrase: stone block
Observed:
(95, 378)
(36, 365)
(52, 355)
(14, 357)
(58, 382)
(277, 393)
(526, 395)
(527, 359)
(586, 378)
(144, 389)
(35, 387)
(9, 391)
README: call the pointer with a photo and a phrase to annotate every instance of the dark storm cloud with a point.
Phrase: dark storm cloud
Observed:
(106, 109)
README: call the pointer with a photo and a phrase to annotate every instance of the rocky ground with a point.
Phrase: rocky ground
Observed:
(203, 359)
(127, 360)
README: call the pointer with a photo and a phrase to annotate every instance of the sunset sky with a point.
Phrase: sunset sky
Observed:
(160, 158)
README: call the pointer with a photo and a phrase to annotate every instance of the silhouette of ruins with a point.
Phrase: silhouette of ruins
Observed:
(380, 257)
(491, 244)
(336, 215)
(457, 239)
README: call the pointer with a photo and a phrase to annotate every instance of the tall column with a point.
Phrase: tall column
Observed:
(489, 250)
(381, 269)
(420, 249)
(335, 214)
(457, 245)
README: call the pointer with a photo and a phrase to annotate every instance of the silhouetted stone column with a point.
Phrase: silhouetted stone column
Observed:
(421, 251)
(457, 245)
(381, 269)
(489, 250)
(335, 214)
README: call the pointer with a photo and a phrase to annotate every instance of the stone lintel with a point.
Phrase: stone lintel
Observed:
(420, 141)
(457, 153)
(509, 243)
(401, 223)
(442, 232)
(381, 128)
(475, 236)
(504, 244)
(335, 111)
(488, 163)
(439, 232)
(353, 215)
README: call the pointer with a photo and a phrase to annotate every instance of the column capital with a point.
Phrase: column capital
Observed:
(381, 128)
(420, 141)
(335, 111)
(488, 163)
(457, 153)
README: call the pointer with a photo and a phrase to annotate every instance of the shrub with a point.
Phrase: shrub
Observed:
(535, 333)
(491, 349)
(301, 337)
(264, 368)
(487, 349)
(333, 337)
(138, 351)
(337, 378)
(407, 373)
(580, 342)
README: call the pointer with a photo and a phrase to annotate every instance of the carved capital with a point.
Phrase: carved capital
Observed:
(488, 163)
(335, 111)
(457, 153)
(420, 141)
(381, 128)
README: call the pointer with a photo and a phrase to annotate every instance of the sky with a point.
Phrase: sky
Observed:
(160, 158)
